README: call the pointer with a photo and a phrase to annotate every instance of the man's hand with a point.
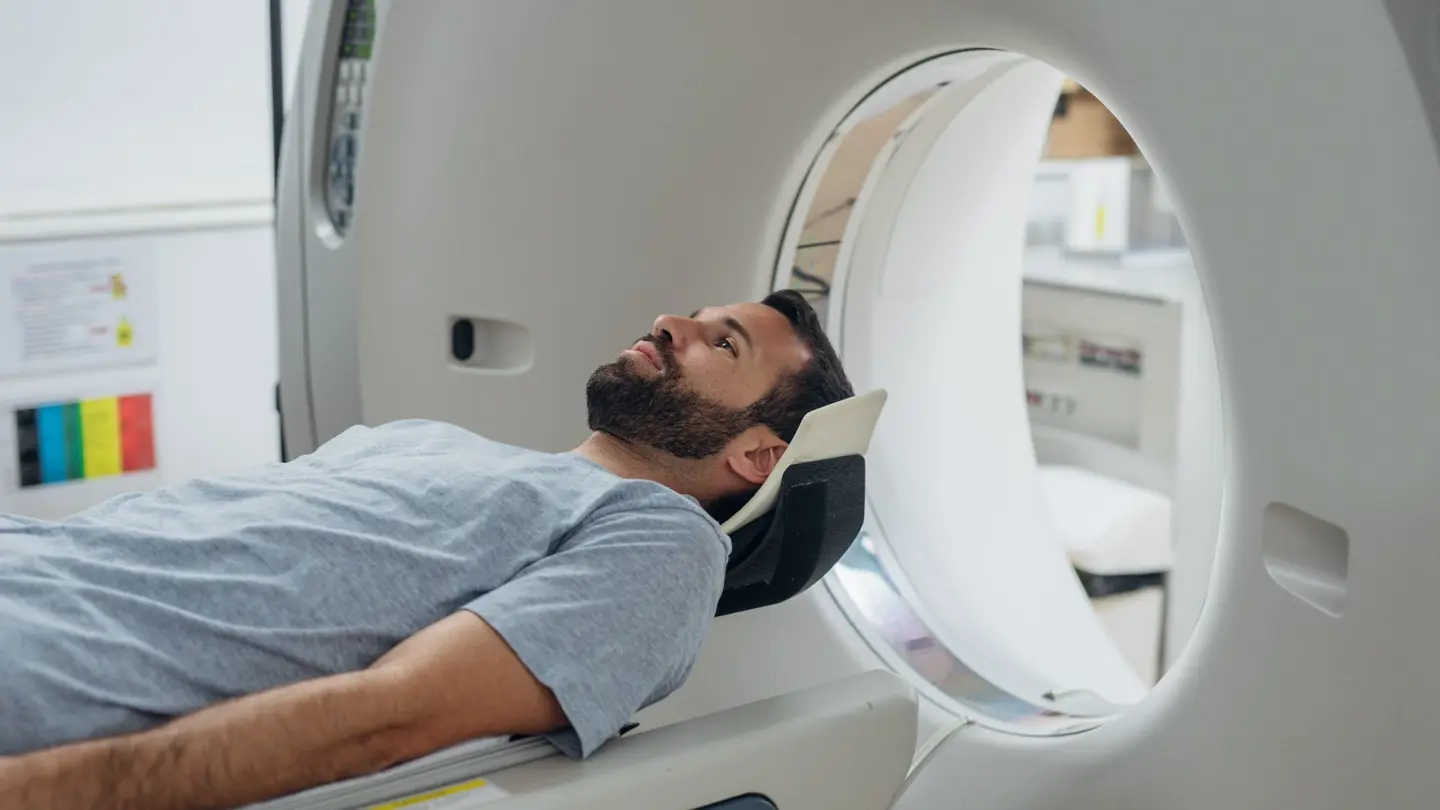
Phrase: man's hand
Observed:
(453, 681)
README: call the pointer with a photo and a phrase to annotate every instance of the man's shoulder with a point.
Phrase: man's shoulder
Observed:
(650, 514)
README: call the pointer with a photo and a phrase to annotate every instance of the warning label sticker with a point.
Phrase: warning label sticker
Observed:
(465, 794)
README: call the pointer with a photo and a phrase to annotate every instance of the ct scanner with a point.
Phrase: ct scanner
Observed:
(480, 202)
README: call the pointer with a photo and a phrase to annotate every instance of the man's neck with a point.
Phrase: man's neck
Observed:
(629, 460)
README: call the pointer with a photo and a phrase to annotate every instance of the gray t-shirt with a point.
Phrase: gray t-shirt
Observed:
(153, 605)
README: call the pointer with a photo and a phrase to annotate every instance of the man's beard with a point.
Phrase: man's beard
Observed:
(658, 411)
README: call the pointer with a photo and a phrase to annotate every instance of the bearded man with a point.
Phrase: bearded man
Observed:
(404, 588)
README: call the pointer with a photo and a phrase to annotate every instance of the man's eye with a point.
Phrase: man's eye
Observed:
(725, 344)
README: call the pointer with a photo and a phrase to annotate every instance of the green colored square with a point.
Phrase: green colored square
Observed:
(74, 442)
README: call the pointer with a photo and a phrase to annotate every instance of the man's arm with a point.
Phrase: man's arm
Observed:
(453, 681)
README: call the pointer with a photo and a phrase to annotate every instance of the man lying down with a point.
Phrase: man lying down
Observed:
(402, 589)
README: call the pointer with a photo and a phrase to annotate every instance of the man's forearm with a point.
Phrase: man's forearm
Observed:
(247, 750)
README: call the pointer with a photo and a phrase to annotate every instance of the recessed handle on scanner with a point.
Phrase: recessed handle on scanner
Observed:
(490, 344)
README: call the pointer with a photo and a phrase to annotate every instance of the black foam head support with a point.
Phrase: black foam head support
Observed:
(817, 515)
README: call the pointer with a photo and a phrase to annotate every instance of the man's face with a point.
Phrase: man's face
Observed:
(686, 388)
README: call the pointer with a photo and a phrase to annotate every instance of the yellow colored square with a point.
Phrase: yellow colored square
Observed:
(100, 436)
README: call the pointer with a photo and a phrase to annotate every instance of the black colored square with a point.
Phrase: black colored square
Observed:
(27, 442)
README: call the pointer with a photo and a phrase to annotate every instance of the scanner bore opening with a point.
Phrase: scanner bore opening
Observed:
(1136, 355)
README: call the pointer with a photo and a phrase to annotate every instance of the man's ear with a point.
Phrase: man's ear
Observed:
(757, 452)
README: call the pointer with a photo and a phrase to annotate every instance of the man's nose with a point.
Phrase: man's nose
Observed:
(677, 330)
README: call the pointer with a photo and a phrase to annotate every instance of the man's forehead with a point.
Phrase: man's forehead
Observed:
(754, 317)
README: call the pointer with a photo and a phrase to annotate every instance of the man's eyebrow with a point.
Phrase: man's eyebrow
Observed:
(739, 328)
(730, 322)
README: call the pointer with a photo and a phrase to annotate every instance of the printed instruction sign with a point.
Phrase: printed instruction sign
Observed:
(465, 794)
(76, 305)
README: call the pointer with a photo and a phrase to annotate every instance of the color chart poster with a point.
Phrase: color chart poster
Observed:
(84, 439)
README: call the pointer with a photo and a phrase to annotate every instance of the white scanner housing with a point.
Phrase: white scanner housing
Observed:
(484, 201)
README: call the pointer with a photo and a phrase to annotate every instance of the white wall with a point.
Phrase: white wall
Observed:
(147, 125)
(213, 377)
(145, 103)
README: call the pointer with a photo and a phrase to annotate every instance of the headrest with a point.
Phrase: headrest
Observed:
(841, 428)
(808, 512)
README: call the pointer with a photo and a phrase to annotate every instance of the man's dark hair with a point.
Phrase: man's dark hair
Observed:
(820, 382)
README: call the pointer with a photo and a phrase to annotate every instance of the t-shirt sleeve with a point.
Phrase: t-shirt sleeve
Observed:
(615, 619)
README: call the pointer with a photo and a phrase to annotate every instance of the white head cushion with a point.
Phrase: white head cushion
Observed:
(839, 429)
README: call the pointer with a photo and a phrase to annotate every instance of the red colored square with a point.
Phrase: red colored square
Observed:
(137, 433)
